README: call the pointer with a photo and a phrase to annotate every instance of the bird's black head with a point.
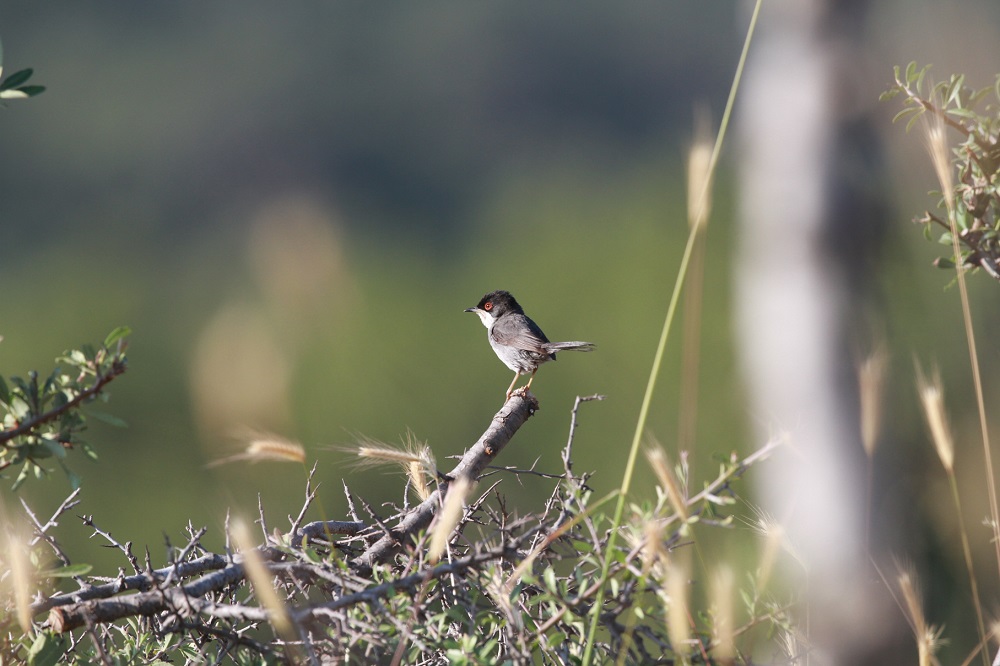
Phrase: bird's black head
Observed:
(499, 303)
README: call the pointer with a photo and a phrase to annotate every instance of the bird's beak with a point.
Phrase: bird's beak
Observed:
(470, 309)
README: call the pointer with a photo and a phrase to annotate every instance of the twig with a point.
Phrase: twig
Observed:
(41, 531)
(126, 548)
(568, 449)
(321, 528)
(118, 366)
(310, 496)
(351, 511)
(183, 554)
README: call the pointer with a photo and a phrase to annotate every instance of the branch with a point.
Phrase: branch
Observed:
(141, 582)
(191, 597)
(154, 595)
(326, 528)
(505, 423)
(118, 366)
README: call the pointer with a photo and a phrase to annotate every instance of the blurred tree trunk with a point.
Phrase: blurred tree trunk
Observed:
(812, 217)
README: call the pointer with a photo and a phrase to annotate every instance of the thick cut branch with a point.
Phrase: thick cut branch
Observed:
(506, 422)
(189, 600)
(143, 582)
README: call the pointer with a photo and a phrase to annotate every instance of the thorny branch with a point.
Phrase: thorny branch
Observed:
(154, 593)
(340, 603)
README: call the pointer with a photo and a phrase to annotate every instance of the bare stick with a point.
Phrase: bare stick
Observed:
(505, 423)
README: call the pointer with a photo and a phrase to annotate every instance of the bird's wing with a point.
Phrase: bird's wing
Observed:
(517, 330)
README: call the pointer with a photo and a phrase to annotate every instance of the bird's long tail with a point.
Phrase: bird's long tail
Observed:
(569, 346)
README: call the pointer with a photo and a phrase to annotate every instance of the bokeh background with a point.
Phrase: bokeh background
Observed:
(291, 207)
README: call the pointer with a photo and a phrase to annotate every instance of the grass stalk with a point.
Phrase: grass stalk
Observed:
(942, 167)
(595, 619)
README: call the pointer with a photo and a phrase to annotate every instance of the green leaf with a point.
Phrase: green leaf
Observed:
(963, 113)
(51, 382)
(955, 94)
(16, 79)
(110, 419)
(69, 571)
(31, 91)
(913, 120)
(920, 77)
(55, 449)
(549, 576)
(911, 69)
(47, 650)
(22, 477)
(4, 392)
(116, 335)
(73, 478)
(907, 111)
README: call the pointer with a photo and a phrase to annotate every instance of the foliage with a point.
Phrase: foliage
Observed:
(43, 420)
(14, 86)
(975, 115)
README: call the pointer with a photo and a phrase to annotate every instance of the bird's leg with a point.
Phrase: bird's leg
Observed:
(510, 389)
(530, 379)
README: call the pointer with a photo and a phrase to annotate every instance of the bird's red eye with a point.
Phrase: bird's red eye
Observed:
(488, 305)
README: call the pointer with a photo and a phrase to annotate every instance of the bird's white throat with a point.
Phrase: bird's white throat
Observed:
(485, 317)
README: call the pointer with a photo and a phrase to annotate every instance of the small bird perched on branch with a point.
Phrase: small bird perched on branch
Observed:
(516, 339)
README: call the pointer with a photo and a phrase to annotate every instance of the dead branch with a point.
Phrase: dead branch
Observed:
(505, 423)
(155, 593)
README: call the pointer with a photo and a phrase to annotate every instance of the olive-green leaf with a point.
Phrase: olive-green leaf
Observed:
(47, 650)
(69, 571)
(116, 335)
(110, 419)
(16, 79)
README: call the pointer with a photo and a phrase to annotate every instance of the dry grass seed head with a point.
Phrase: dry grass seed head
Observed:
(871, 379)
(927, 636)
(699, 176)
(677, 611)
(413, 456)
(932, 403)
(265, 447)
(722, 603)
(21, 577)
(657, 458)
(261, 579)
(775, 540)
(451, 513)
(652, 544)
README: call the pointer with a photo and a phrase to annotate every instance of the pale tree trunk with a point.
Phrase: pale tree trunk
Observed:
(810, 213)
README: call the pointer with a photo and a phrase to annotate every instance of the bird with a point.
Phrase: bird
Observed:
(516, 339)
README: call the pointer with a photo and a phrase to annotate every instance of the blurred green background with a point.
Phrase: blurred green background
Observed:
(291, 207)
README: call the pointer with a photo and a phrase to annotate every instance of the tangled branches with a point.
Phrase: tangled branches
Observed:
(507, 587)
